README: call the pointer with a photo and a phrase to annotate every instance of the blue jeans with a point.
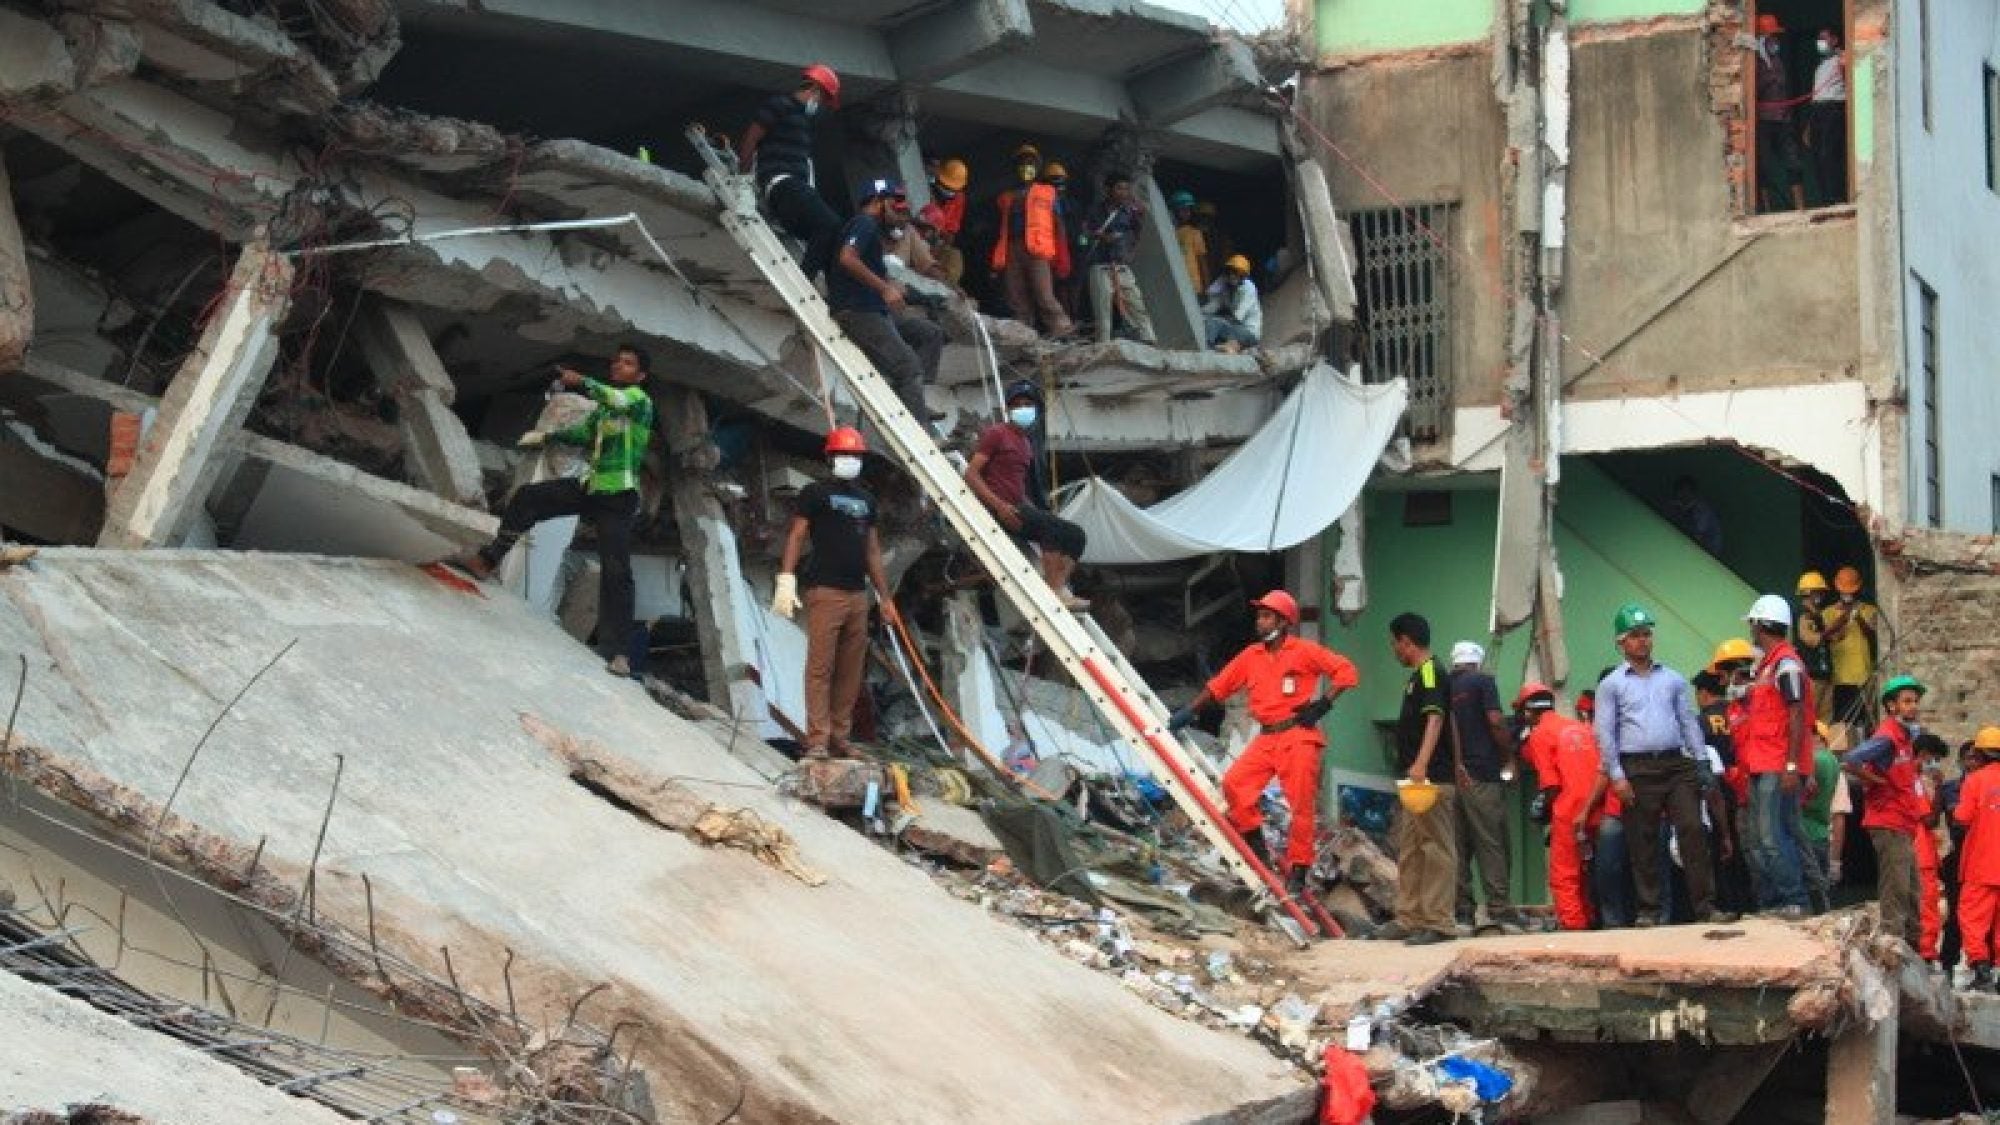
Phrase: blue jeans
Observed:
(1219, 330)
(1611, 875)
(1776, 854)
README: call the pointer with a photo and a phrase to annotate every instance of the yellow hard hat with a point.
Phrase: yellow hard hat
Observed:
(1054, 170)
(1847, 580)
(953, 175)
(1239, 263)
(1810, 581)
(1988, 738)
(1419, 797)
(1731, 651)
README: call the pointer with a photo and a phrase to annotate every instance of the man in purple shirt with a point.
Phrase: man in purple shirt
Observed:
(1655, 760)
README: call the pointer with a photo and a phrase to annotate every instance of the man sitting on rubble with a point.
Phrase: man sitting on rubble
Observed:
(838, 518)
(1282, 672)
(1002, 475)
(616, 434)
(778, 146)
(1564, 755)
(903, 345)
(1232, 316)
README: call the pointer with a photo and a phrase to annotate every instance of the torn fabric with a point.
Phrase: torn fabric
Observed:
(1288, 483)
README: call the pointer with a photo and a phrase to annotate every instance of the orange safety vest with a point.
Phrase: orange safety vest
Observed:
(1043, 241)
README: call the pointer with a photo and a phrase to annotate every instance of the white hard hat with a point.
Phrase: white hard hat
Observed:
(1466, 652)
(1772, 608)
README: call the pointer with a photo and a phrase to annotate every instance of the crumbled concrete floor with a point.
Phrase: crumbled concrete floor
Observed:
(62, 1052)
(872, 998)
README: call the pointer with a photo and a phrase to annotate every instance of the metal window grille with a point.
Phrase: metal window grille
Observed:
(1992, 129)
(1927, 300)
(1406, 298)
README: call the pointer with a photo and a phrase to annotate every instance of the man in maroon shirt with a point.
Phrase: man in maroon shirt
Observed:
(1001, 475)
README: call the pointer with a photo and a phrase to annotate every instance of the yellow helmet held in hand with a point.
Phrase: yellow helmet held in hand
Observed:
(1419, 797)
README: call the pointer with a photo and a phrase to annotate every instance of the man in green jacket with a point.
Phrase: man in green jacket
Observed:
(616, 435)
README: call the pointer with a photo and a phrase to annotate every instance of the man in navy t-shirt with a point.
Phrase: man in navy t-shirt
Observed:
(903, 346)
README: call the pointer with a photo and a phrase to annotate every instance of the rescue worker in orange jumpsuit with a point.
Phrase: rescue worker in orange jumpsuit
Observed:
(1894, 807)
(1564, 754)
(1978, 811)
(1032, 248)
(1282, 672)
(1931, 753)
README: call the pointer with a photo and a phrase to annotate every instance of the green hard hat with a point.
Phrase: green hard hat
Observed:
(1900, 683)
(1631, 616)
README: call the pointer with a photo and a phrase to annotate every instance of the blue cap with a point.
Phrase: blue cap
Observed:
(876, 189)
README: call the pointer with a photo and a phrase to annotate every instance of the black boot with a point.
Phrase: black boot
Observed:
(1255, 839)
(1982, 978)
(1298, 883)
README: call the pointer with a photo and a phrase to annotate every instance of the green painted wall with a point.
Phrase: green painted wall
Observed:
(1861, 92)
(1613, 549)
(1367, 26)
(1762, 517)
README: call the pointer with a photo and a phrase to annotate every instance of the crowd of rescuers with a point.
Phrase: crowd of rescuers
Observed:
(1056, 263)
(1665, 800)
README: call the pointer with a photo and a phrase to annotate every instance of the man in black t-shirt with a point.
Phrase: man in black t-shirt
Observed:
(837, 517)
(870, 308)
(1478, 730)
(1426, 843)
(778, 145)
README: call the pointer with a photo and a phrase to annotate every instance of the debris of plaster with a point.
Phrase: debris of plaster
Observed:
(672, 805)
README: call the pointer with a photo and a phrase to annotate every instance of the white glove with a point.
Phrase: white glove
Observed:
(785, 602)
(533, 439)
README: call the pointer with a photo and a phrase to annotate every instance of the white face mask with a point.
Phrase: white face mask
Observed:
(1738, 691)
(1271, 637)
(1825, 48)
(1022, 416)
(812, 107)
(846, 468)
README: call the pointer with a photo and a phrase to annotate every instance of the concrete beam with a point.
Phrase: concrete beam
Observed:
(714, 570)
(1177, 89)
(436, 446)
(35, 59)
(1016, 91)
(460, 525)
(203, 42)
(17, 296)
(756, 44)
(958, 36)
(210, 397)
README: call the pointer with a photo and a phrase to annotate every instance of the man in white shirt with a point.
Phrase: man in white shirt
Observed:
(1826, 124)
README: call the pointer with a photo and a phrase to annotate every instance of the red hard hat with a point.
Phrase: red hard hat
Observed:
(1767, 24)
(1530, 690)
(845, 439)
(822, 75)
(1280, 603)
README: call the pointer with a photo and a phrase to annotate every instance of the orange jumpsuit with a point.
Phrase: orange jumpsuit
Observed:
(1564, 754)
(1930, 888)
(1979, 863)
(1280, 681)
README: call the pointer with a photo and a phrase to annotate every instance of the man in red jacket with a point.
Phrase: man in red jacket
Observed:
(1978, 810)
(1774, 748)
(1565, 757)
(1282, 672)
(1892, 793)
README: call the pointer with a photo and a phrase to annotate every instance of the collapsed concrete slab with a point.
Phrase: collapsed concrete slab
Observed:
(747, 987)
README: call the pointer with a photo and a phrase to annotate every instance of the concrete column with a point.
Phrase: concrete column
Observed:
(1861, 1075)
(1163, 276)
(888, 146)
(204, 409)
(714, 571)
(17, 299)
(438, 450)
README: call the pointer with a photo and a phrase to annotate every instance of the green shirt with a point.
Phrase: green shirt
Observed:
(1818, 812)
(616, 433)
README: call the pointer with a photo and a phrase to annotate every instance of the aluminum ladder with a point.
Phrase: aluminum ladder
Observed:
(1127, 704)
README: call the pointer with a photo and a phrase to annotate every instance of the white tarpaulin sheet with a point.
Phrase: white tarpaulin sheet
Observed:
(1288, 483)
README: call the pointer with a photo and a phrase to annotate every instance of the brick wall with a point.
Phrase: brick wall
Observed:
(1942, 592)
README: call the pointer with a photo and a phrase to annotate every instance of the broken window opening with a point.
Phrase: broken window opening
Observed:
(1992, 88)
(1404, 306)
(1799, 75)
(1927, 366)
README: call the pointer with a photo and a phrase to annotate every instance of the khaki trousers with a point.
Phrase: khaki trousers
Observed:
(1427, 865)
(1482, 836)
(836, 656)
(1031, 291)
(1896, 883)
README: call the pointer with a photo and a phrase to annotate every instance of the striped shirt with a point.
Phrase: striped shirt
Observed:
(616, 433)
